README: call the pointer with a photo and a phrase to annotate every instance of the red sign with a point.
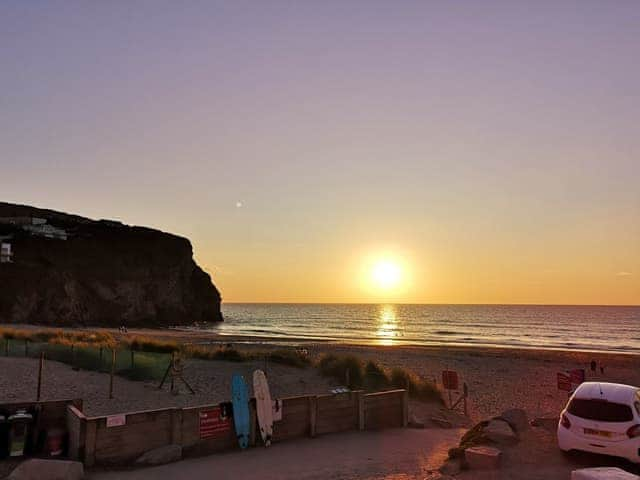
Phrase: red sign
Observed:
(577, 376)
(564, 382)
(213, 424)
(450, 380)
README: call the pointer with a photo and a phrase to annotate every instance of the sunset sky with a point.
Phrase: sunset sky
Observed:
(488, 152)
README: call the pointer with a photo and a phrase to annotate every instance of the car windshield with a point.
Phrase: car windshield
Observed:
(600, 410)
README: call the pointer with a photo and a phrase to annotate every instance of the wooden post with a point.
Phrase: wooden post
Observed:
(360, 400)
(40, 376)
(26, 348)
(313, 415)
(113, 371)
(73, 355)
(405, 408)
(176, 426)
(133, 359)
(90, 443)
(465, 393)
(6, 347)
(100, 369)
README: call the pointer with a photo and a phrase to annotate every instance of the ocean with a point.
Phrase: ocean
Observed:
(592, 328)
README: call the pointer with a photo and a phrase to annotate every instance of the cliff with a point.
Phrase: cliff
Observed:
(64, 269)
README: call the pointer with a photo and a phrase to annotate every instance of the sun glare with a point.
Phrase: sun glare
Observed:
(386, 274)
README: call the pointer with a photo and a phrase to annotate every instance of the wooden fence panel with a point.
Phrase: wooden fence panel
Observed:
(142, 432)
(337, 413)
(384, 410)
(296, 419)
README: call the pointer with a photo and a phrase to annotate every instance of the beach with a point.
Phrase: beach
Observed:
(497, 378)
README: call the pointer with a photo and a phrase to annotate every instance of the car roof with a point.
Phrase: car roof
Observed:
(612, 392)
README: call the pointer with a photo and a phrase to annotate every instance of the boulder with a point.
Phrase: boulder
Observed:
(158, 456)
(482, 457)
(500, 432)
(602, 473)
(42, 469)
(517, 418)
(442, 422)
(451, 467)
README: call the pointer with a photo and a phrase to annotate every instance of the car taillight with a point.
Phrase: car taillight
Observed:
(564, 421)
(633, 431)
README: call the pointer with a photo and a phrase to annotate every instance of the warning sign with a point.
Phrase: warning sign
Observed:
(213, 423)
(450, 380)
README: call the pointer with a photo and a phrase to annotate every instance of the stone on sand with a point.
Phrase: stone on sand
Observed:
(517, 418)
(602, 473)
(500, 432)
(451, 467)
(482, 457)
(42, 469)
(158, 456)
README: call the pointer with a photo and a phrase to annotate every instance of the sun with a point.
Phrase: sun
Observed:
(386, 274)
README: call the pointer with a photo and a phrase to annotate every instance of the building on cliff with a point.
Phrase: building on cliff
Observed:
(6, 255)
(35, 226)
(46, 230)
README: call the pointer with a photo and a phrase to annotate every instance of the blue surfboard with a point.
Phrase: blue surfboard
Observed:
(240, 400)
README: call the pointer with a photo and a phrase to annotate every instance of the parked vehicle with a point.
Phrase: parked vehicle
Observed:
(602, 418)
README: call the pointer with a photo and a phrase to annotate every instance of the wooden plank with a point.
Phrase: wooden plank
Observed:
(90, 443)
(313, 415)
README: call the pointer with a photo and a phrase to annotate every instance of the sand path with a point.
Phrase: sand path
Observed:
(391, 454)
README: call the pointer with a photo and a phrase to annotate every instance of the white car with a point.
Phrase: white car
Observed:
(602, 418)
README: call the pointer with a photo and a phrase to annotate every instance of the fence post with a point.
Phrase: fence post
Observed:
(133, 359)
(405, 408)
(113, 368)
(360, 400)
(313, 415)
(40, 376)
(90, 443)
(176, 426)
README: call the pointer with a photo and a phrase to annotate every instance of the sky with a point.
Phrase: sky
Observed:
(488, 151)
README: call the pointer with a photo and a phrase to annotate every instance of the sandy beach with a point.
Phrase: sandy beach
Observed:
(497, 379)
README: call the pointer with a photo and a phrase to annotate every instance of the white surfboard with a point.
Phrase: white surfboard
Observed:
(264, 406)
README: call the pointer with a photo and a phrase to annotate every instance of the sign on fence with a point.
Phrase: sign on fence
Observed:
(116, 420)
(564, 382)
(450, 380)
(214, 422)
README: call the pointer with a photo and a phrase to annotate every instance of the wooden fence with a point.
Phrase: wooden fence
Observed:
(120, 439)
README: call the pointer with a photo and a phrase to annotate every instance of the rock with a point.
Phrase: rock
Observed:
(158, 456)
(482, 457)
(437, 476)
(451, 467)
(602, 473)
(104, 274)
(517, 418)
(41, 469)
(500, 432)
(441, 422)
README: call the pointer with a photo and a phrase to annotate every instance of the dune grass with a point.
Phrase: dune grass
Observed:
(371, 376)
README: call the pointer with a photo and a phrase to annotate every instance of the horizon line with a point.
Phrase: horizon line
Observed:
(438, 303)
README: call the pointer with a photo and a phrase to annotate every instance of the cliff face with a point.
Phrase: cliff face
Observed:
(104, 273)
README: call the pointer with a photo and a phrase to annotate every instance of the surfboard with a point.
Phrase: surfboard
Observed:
(264, 406)
(240, 401)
